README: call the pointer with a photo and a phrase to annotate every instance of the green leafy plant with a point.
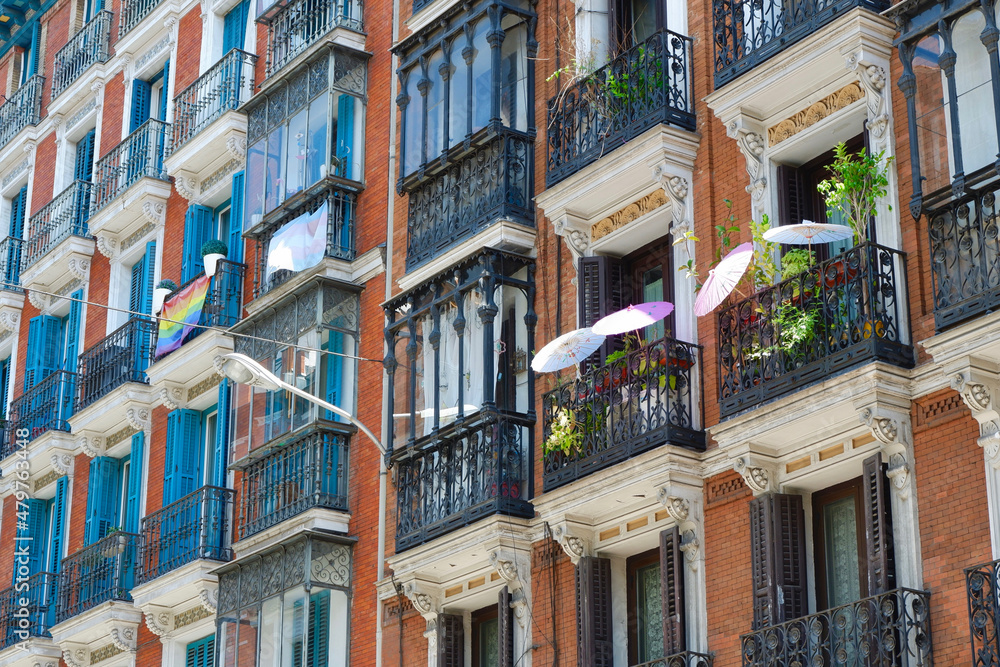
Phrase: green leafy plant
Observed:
(856, 184)
(214, 247)
(167, 284)
(565, 434)
(796, 325)
(639, 82)
(763, 269)
(795, 262)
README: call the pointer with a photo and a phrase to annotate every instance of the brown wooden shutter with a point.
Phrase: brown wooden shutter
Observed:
(778, 552)
(505, 629)
(672, 588)
(451, 640)
(603, 288)
(878, 527)
(593, 612)
(794, 204)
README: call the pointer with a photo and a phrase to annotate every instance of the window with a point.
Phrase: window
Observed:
(304, 131)
(200, 653)
(645, 607)
(184, 455)
(485, 638)
(11, 248)
(279, 623)
(840, 545)
(234, 27)
(449, 84)
(104, 497)
(632, 22)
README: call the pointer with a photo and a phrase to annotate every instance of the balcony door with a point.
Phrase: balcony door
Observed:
(840, 545)
(632, 22)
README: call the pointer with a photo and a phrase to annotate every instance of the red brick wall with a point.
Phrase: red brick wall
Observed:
(412, 650)
(43, 181)
(8, 531)
(553, 606)
(78, 508)
(111, 114)
(188, 51)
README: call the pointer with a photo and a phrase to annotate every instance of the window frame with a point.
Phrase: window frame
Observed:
(820, 499)
(633, 565)
(479, 617)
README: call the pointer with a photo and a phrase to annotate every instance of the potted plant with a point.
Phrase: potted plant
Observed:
(114, 542)
(162, 290)
(211, 252)
(565, 435)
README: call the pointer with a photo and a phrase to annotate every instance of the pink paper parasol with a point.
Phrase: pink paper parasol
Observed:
(723, 278)
(566, 350)
(633, 317)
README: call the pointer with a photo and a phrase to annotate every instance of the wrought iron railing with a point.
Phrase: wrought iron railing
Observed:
(10, 263)
(965, 253)
(223, 303)
(83, 49)
(309, 471)
(842, 312)
(132, 12)
(341, 206)
(647, 398)
(644, 86)
(467, 470)
(139, 155)
(23, 108)
(66, 215)
(748, 32)
(982, 585)
(300, 23)
(28, 609)
(120, 357)
(103, 571)
(45, 407)
(685, 659)
(196, 526)
(893, 628)
(444, 210)
(225, 86)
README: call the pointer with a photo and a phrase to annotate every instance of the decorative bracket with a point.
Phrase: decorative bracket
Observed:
(155, 212)
(187, 185)
(159, 620)
(676, 188)
(123, 635)
(979, 390)
(426, 603)
(237, 147)
(172, 396)
(62, 463)
(107, 245)
(872, 77)
(760, 479)
(91, 444)
(79, 267)
(139, 418)
(686, 512)
(575, 546)
(750, 140)
(209, 597)
(10, 319)
(39, 300)
(892, 430)
(75, 655)
(576, 232)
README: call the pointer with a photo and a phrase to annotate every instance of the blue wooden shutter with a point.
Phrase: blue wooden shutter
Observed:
(73, 331)
(201, 653)
(199, 226)
(319, 630)
(334, 371)
(345, 134)
(32, 533)
(31, 64)
(141, 289)
(173, 432)
(142, 92)
(18, 206)
(58, 524)
(164, 91)
(103, 501)
(221, 453)
(184, 454)
(4, 386)
(134, 483)
(32, 355)
(44, 354)
(235, 27)
(84, 169)
(236, 218)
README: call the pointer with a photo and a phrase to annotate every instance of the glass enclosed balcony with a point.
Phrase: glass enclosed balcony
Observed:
(95, 574)
(301, 23)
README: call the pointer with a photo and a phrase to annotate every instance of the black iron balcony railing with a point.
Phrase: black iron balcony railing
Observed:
(132, 12)
(685, 659)
(647, 85)
(341, 203)
(748, 32)
(121, 357)
(10, 263)
(893, 628)
(27, 610)
(647, 398)
(965, 251)
(310, 471)
(196, 526)
(223, 303)
(138, 156)
(103, 571)
(45, 407)
(83, 49)
(22, 109)
(843, 312)
(982, 584)
(444, 210)
(301, 23)
(66, 215)
(225, 86)
(465, 471)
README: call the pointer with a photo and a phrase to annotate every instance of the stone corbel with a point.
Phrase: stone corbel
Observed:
(872, 76)
(576, 232)
(891, 428)
(39, 300)
(159, 620)
(676, 188)
(79, 267)
(209, 596)
(237, 148)
(10, 319)
(683, 504)
(425, 601)
(979, 391)
(62, 463)
(75, 655)
(187, 185)
(97, 86)
(575, 545)
(750, 140)
(107, 245)
(172, 396)
(92, 445)
(139, 418)
(759, 477)
(155, 212)
(123, 634)
(506, 566)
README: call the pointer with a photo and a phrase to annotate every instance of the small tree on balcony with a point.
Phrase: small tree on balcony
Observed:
(856, 184)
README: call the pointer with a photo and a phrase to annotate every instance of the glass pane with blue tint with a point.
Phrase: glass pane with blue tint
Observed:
(317, 158)
(297, 150)
(275, 168)
(482, 77)
(458, 97)
(254, 188)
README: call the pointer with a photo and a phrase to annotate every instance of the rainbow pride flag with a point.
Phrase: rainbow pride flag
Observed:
(300, 244)
(184, 310)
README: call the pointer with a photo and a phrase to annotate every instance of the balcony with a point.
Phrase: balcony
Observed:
(22, 109)
(223, 87)
(888, 629)
(133, 12)
(194, 527)
(96, 574)
(685, 659)
(965, 250)
(467, 470)
(41, 605)
(748, 32)
(85, 48)
(842, 313)
(341, 199)
(647, 398)
(444, 210)
(10, 264)
(647, 85)
(309, 471)
(121, 357)
(45, 407)
(131, 186)
(66, 215)
(302, 23)
(982, 585)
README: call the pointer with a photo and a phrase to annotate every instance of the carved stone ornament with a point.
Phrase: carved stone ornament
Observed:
(898, 472)
(975, 395)
(154, 211)
(872, 78)
(38, 299)
(815, 112)
(757, 478)
(506, 567)
(676, 189)
(885, 429)
(76, 655)
(574, 546)
(10, 319)
(138, 418)
(978, 396)
(576, 233)
(92, 445)
(79, 267)
(187, 186)
(628, 214)
(519, 603)
(689, 547)
(677, 508)
(172, 397)
(423, 601)
(107, 245)
(209, 598)
(62, 463)
(751, 144)
(237, 147)
(159, 620)
(123, 635)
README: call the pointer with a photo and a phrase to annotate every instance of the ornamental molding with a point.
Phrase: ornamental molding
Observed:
(139, 418)
(92, 445)
(107, 245)
(172, 396)
(120, 435)
(628, 214)
(505, 565)
(10, 319)
(187, 186)
(209, 598)
(426, 602)
(155, 212)
(78, 117)
(890, 426)
(683, 504)
(62, 463)
(220, 174)
(979, 390)
(197, 390)
(39, 300)
(194, 614)
(237, 147)
(75, 655)
(575, 545)
(872, 77)
(815, 112)
(21, 167)
(678, 508)
(151, 53)
(749, 136)
(676, 188)
(79, 267)
(137, 235)
(760, 478)
(45, 480)
(123, 635)
(105, 652)
(159, 620)
(577, 233)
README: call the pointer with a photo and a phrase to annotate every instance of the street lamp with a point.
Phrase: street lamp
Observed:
(241, 369)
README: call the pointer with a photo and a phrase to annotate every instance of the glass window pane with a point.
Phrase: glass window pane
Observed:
(482, 77)
(458, 102)
(247, 649)
(316, 160)
(489, 643)
(932, 115)
(296, 151)
(424, 370)
(413, 124)
(270, 633)
(435, 106)
(349, 144)
(449, 379)
(227, 642)
(255, 183)
(240, 422)
(306, 376)
(514, 78)
(401, 398)
(275, 168)
(650, 612)
(843, 582)
(976, 115)
(293, 634)
(652, 290)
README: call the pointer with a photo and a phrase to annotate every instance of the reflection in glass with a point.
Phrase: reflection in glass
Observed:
(973, 83)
